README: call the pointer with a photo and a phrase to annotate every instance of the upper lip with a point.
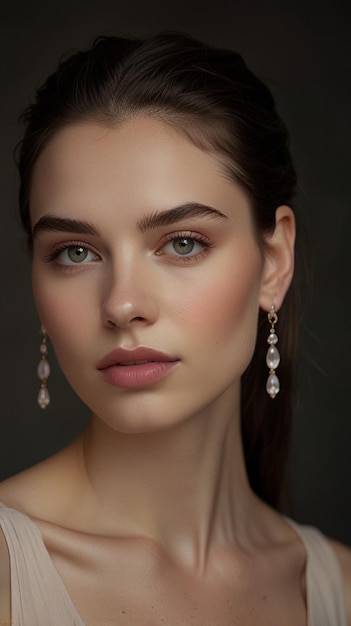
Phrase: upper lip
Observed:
(141, 353)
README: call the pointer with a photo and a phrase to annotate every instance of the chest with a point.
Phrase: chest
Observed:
(168, 608)
(133, 587)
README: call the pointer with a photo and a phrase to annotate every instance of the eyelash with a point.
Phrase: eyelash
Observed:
(55, 253)
(206, 243)
(196, 237)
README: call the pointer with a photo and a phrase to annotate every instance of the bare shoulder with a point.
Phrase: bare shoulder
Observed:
(31, 491)
(5, 603)
(16, 490)
(343, 554)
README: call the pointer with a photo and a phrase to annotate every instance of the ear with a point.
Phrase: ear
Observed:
(279, 260)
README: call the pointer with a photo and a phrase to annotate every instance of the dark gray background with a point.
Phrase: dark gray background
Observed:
(302, 50)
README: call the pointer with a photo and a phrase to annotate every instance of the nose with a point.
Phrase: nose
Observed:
(129, 299)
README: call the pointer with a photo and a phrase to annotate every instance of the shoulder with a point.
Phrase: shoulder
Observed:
(30, 491)
(5, 610)
(343, 554)
(14, 493)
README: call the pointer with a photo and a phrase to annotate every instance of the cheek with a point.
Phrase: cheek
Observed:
(64, 312)
(224, 307)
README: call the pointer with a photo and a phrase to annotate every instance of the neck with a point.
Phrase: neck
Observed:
(185, 486)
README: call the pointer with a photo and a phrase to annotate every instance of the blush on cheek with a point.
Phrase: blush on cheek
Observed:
(63, 311)
(225, 305)
(224, 314)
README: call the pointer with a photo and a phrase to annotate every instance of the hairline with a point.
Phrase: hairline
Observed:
(189, 125)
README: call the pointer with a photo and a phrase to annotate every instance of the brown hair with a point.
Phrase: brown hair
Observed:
(210, 95)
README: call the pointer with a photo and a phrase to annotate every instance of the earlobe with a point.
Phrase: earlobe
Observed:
(279, 260)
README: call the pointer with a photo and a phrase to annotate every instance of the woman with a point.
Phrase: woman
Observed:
(156, 191)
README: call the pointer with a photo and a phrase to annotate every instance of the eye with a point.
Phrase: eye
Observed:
(75, 254)
(184, 246)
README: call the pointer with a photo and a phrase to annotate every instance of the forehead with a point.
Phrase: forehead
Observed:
(142, 163)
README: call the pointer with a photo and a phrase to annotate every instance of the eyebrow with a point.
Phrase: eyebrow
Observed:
(60, 224)
(171, 216)
(145, 224)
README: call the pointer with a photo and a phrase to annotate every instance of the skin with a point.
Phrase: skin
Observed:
(157, 482)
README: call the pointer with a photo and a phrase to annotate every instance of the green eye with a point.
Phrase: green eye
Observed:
(77, 254)
(183, 245)
(73, 255)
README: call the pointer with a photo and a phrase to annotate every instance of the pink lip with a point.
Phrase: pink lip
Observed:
(121, 367)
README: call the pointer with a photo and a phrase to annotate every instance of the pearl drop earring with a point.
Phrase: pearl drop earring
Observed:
(273, 356)
(43, 371)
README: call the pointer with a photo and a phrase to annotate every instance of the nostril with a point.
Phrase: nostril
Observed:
(111, 323)
(123, 308)
(124, 321)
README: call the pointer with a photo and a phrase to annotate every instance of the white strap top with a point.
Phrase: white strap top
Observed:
(39, 597)
(324, 583)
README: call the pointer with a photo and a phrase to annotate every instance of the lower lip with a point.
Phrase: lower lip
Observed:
(138, 376)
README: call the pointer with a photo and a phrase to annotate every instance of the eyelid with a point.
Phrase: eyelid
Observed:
(197, 237)
(57, 249)
(191, 234)
(62, 246)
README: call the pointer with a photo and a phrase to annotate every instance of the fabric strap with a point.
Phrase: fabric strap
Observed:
(324, 583)
(38, 595)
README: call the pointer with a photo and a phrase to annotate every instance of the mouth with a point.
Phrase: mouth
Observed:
(137, 368)
(134, 362)
(136, 356)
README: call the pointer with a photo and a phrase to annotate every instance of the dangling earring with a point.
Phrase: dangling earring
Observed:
(43, 371)
(273, 356)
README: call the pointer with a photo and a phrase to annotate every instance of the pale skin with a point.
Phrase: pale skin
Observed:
(154, 494)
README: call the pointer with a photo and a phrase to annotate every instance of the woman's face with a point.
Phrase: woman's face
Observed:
(140, 241)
